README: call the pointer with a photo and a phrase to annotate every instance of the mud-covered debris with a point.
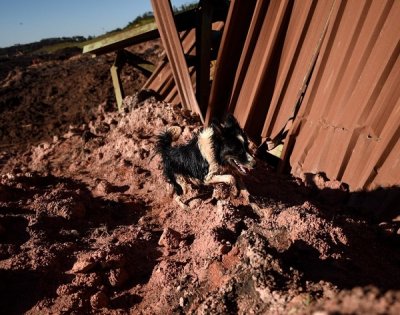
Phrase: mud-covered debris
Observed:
(118, 277)
(83, 265)
(99, 300)
(170, 239)
(131, 102)
(91, 226)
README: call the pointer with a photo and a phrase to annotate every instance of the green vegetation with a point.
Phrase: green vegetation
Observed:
(51, 45)
(47, 45)
(140, 20)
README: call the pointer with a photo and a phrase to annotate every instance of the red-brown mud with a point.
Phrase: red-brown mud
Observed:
(88, 224)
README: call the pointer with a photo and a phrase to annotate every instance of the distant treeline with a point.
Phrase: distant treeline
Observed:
(36, 47)
(148, 16)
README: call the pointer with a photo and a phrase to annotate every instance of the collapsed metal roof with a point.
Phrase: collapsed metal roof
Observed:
(320, 78)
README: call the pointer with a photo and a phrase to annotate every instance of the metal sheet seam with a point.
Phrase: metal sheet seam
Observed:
(290, 126)
(261, 72)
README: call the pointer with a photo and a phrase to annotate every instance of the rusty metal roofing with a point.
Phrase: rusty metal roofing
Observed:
(348, 125)
(320, 77)
(173, 48)
(326, 73)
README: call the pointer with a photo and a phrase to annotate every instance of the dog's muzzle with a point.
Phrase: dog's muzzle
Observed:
(244, 168)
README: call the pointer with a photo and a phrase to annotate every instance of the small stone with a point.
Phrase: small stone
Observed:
(63, 290)
(83, 266)
(396, 219)
(170, 239)
(118, 277)
(113, 261)
(388, 229)
(99, 300)
(103, 188)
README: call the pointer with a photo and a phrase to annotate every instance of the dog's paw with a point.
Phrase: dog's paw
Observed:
(181, 203)
(235, 191)
(244, 193)
(255, 208)
(221, 191)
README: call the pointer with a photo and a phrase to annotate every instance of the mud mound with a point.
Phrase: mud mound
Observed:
(41, 96)
(87, 222)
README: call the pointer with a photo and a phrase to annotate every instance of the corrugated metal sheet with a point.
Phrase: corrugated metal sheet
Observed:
(234, 35)
(348, 125)
(327, 73)
(173, 48)
(336, 65)
(162, 81)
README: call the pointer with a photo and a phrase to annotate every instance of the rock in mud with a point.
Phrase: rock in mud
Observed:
(83, 265)
(170, 239)
(118, 277)
(99, 300)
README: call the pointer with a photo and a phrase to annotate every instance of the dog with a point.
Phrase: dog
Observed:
(206, 157)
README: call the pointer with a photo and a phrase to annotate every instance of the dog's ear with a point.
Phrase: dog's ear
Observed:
(231, 122)
(216, 126)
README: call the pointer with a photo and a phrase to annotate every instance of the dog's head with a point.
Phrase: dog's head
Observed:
(233, 145)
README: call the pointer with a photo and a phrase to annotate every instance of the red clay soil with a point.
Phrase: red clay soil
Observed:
(88, 224)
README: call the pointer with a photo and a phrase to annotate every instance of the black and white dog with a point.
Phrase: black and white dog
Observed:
(206, 156)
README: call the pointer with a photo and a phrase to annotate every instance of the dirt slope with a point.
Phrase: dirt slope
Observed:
(88, 225)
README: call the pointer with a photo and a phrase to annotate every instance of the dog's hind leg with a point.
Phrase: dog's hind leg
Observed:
(178, 200)
(176, 183)
(170, 176)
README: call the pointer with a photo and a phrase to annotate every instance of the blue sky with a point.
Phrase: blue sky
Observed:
(26, 21)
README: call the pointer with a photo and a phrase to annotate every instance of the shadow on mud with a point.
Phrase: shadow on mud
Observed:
(20, 290)
(370, 220)
(61, 218)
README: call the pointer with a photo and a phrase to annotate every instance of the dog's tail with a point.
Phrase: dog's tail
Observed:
(165, 139)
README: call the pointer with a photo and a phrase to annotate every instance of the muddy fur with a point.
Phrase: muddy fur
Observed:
(206, 155)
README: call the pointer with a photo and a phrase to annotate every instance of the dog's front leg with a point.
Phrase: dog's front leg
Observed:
(227, 179)
(246, 195)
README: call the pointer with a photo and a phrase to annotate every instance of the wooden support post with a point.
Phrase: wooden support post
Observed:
(141, 64)
(115, 70)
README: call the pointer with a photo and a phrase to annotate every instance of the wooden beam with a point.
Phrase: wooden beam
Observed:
(173, 47)
(122, 39)
(184, 21)
(146, 67)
